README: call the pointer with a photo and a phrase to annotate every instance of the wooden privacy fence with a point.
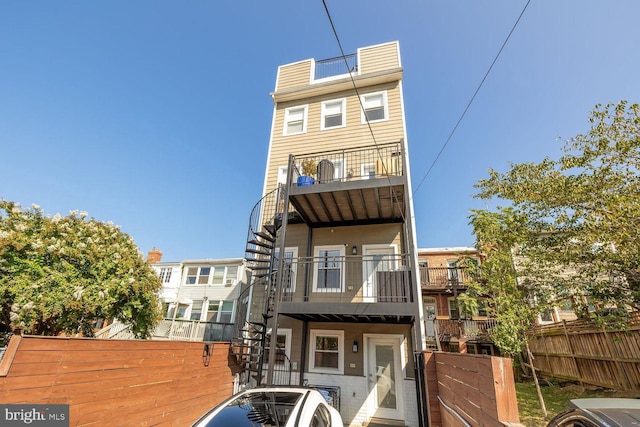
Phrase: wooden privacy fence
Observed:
(118, 382)
(582, 351)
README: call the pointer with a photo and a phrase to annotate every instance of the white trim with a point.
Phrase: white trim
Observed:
(313, 333)
(343, 111)
(385, 106)
(294, 263)
(316, 254)
(369, 290)
(287, 111)
(398, 341)
(287, 343)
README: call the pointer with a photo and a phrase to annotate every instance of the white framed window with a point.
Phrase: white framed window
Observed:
(295, 120)
(374, 107)
(326, 350)
(198, 275)
(328, 270)
(165, 274)
(220, 311)
(196, 310)
(283, 345)
(282, 175)
(368, 170)
(290, 267)
(333, 114)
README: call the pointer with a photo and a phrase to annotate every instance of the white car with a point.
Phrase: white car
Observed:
(273, 406)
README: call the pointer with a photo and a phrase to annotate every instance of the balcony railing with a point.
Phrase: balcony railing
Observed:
(352, 279)
(332, 67)
(445, 277)
(464, 328)
(370, 162)
(193, 330)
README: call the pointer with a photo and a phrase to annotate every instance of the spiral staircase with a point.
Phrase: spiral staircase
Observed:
(257, 300)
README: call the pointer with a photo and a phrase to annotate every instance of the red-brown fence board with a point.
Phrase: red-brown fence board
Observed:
(117, 382)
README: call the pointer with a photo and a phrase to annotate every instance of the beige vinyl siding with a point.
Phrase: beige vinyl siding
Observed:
(354, 134)
(294, 75)
(379, 58)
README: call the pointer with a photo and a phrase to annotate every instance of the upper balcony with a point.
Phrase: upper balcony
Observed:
(445, 278)
(363, 185)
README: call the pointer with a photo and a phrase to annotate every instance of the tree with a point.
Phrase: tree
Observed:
(578, 215)
(497, 233)
(62, 274)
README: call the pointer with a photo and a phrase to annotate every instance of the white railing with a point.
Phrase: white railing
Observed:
(174, 330)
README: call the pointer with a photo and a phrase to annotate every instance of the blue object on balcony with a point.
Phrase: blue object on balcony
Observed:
(305, 180)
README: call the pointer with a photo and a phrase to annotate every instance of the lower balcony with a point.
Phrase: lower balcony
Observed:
(335, 287)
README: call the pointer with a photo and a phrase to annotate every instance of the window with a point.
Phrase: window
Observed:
(328, 269)
(333, 114)
(368, 170)
(198, 275)
(295, 120)
(196, 310)
(232, 275)
(165, 274)
(181, 311)
(283, 343)
(375, 107)
(220, 311)
(290, 267)
(327, 351)
(218, 275)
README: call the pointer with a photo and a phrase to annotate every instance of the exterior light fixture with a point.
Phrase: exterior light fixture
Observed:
(354, 250)
(355, 343)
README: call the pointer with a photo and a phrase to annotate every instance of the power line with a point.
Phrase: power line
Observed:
(472, 98)
(355, 88)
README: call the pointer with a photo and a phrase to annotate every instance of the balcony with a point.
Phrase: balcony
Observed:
(445, 278)
(335, 67)
(464, 328)
(369, 288)
(363, 185)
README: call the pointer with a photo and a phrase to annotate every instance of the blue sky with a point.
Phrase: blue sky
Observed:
(156, 114)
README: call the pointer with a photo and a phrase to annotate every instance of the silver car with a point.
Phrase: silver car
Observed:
(273, 406)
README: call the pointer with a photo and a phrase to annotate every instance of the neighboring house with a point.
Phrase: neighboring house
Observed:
(198, 299)
(331, 244)
(448, 327)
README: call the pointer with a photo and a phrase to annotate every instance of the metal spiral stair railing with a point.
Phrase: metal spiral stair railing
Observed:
(257, 299)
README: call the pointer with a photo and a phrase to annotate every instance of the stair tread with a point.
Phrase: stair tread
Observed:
(268, 245)
(265, 236)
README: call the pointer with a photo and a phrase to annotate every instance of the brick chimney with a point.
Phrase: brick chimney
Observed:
(154, 256)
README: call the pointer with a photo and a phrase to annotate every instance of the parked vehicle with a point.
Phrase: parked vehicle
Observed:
(273, 406)
(599, 412)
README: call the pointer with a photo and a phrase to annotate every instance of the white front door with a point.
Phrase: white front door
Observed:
(375, 259)
(385, 379)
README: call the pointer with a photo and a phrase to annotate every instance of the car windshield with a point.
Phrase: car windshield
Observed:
(256, 409)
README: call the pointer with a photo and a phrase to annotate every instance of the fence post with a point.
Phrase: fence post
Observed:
(573, 353)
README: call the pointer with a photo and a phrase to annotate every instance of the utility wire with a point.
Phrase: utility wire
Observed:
(355, 88)
(472, 99)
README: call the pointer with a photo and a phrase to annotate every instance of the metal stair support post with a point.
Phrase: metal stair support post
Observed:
(279, 275)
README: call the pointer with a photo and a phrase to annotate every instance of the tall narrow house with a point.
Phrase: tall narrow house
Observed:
(332, 244)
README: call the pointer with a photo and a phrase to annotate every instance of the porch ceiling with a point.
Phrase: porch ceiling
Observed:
(353, 202)
(399, 313)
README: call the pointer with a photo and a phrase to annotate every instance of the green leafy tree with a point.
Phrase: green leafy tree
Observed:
(496, 234)
(62, 274)
(578, 216)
